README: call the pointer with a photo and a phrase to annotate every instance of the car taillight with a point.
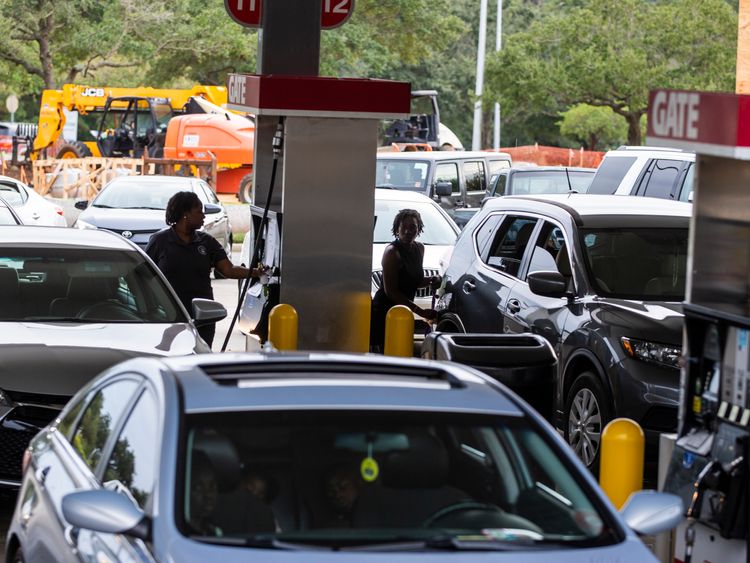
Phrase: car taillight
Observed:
(59, 211)
(26, 460)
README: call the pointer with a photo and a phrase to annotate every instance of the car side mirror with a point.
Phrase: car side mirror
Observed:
(650, 512)
(207, 311)
(548, 283)
(211, 208)
(83, 204)
(443, 189)
(105, 511)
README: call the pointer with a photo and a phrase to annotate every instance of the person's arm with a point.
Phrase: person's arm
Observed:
(390, 263)
(229, 270)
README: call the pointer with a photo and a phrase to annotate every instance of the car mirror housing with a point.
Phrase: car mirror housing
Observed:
(548, 283)
(443, 189)
(651, 512)
(105, 511)
(211, 208)
(207, 311)
(83, 204)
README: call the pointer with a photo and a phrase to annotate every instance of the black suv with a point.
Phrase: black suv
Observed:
(602, 278)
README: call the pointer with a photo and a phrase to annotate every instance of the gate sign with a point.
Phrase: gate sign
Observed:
(247, 12)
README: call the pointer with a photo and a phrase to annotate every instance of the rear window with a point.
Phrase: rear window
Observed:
(609, 174)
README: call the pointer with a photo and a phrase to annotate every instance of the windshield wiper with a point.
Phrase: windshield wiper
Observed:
(102, 206)
(144, 207)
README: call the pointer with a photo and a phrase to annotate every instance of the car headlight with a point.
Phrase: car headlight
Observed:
(84, 225)
(652, 352)
(444, 302)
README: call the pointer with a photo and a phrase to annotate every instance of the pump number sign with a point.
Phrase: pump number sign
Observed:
(247, 12)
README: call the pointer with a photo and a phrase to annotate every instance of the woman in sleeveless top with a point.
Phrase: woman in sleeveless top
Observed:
(402, 275)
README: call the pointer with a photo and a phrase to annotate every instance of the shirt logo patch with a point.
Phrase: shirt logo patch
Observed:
(202, 250)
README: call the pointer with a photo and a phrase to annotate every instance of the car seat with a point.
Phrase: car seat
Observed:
(670, 279)
(413, 487)
(10, 293)
(83, 291)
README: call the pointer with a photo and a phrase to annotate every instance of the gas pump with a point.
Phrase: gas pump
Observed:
(710, 463)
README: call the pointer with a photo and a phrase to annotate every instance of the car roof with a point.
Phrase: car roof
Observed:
(34, 235)
(154, 179)
(383, 194)
(333, 381)
(589, 205)
(651, 152)
(441, 155)
(535, 168)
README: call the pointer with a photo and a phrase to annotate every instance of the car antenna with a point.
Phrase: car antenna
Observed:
(567, 175)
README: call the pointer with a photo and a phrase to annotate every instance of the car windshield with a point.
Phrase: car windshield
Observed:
(637, 263)
(83, 285)
(135, 195)
(402, 174)
(357, 479)
(550, 181)
(437, 228)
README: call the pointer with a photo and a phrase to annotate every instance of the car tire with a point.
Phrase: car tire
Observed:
(449, 325)
(245, 191)
(73, 149)
(587, 412)
(18, 556)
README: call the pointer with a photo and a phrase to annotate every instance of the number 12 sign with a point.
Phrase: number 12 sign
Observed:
(247, 12)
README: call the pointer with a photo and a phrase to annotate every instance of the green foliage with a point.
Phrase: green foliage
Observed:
(594, 125)
(611, 53)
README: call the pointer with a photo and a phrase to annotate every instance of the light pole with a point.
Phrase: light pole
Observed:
(476, 137)
(498, 46)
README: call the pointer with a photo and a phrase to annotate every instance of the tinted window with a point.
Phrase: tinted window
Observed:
(71, 416)
(660, 179)
(549, 251)
(133, 463)
(609, 174)
(686, 192)
(498, 187)
(448, 172)
(401, 174)
(476, 179)
(100, 418)
(483, 235)
(509, 244)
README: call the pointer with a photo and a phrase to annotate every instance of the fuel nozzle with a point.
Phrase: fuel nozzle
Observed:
(278, 139)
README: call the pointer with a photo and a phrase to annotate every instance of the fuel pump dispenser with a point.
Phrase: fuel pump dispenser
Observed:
(710, 463)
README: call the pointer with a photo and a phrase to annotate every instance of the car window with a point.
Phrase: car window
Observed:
(401, 174)
(549, 252)
(496, 165)
(67, 422)
(448, 172)
(210, 195)
(484, 234)
(497, 186)
(133, 463)
(126, 194)
(438, 229)
(660, 178)
(100, 419)
(609, 174)
(7, 217)
(475, 175)
(13, 194)
(317, 477)
(686, 192)
(510, 243)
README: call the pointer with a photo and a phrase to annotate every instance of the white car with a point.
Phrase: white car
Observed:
(439, 236)
(32, 208)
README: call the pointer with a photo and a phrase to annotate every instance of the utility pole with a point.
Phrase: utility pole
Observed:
(476, 137)
(498, 46)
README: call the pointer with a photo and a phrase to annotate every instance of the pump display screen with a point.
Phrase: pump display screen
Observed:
(735, 370)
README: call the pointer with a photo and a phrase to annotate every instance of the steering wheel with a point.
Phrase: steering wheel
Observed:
(455, 512)
(108, 311)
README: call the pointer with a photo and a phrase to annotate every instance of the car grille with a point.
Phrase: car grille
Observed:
(377, 281)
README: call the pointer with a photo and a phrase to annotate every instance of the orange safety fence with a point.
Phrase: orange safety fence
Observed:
(551, 156)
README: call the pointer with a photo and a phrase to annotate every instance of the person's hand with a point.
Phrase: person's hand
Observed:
(261, 271)
(435, 282)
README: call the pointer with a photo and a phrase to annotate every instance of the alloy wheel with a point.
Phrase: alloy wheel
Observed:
(585, 425)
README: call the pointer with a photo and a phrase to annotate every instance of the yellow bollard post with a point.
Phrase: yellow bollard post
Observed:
(621, 460)
(283, 325)
(399, 332)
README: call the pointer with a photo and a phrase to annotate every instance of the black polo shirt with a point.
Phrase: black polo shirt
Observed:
(186, 266)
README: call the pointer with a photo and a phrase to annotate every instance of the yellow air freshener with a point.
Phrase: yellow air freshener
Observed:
(369, 469)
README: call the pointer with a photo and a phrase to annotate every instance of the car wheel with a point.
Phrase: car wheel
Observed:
(587, 412)
(73, 149)
(18, 556)
(449, 325)
(245, 192)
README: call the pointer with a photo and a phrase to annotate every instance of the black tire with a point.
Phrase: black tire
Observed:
(73, 149)
(448, 325)
(245, 192)
(587, 412)
(17, 556)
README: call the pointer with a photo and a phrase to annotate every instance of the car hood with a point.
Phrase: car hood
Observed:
(59, 358)
(436, 256)
(656, 321)
(131, 219)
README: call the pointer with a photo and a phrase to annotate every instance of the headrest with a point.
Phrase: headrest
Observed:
(9, 283)
(563, 261)
(91, 288)
(423, 466)
(524, 234)
(221, 453)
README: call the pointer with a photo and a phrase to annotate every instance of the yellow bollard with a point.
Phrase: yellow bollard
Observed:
(399, 332)
(621, 465)
(283, 325)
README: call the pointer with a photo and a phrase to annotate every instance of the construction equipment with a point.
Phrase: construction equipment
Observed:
(119, 121)
(422, 128)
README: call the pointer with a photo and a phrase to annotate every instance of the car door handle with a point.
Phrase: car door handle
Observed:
(469, 286)
(71, 536)
(514, 305)
(35, 215)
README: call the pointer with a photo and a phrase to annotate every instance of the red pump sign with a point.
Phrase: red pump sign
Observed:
(248, 12)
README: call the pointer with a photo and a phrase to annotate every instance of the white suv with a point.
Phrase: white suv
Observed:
(646, 171)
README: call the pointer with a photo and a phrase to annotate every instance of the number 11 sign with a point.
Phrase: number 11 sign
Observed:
(247, 12)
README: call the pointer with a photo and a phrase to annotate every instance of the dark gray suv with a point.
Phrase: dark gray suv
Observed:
(602, 278)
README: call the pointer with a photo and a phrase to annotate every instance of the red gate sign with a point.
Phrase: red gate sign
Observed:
(247, 12)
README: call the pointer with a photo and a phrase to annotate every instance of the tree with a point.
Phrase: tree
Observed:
(593, 125)
(610, 53)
